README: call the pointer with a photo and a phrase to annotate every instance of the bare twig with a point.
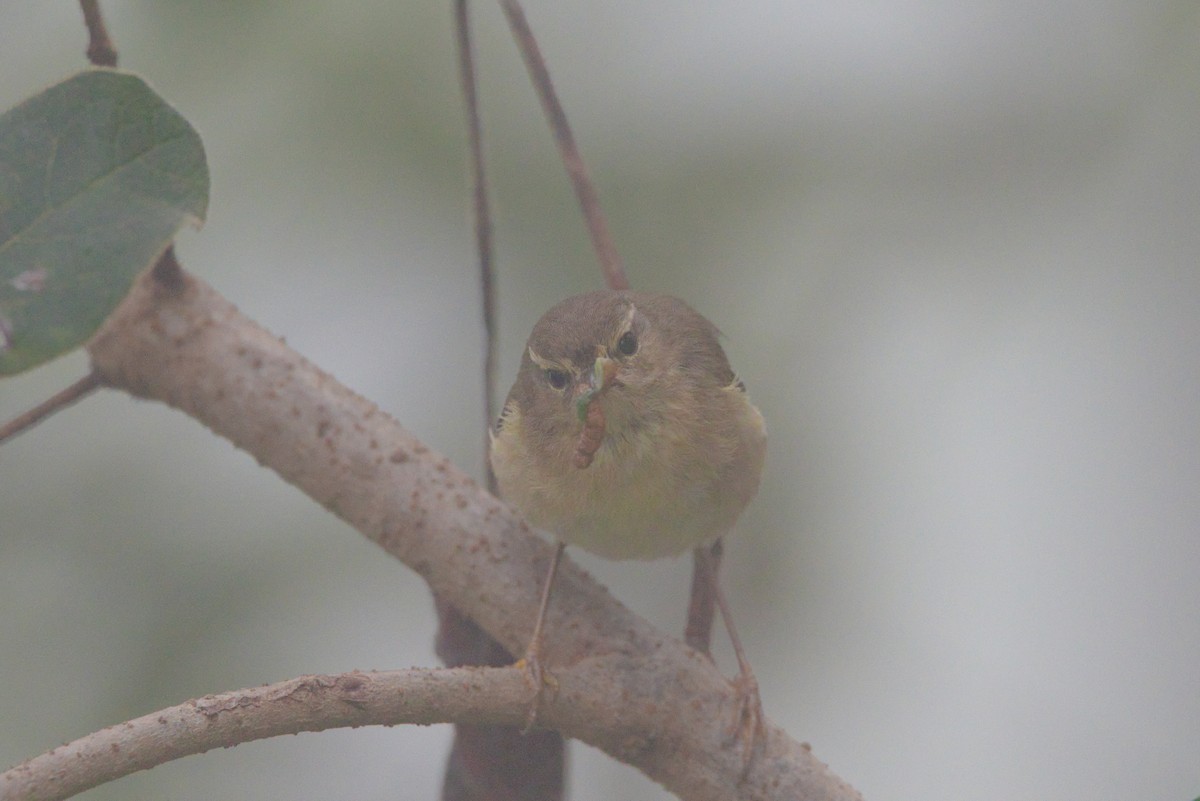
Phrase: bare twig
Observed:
(482, 221)
(307, 703)
(56, 403)
(648, 701)
(101, 52)
(589, 201)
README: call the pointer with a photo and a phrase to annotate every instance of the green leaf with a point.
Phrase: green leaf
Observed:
(97, 176)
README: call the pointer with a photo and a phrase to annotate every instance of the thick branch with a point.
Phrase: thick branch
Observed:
(650, 701)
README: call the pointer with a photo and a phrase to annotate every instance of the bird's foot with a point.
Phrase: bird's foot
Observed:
(539, 679)
(749, 728)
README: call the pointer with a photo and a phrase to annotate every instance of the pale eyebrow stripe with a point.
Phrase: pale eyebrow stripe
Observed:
(545, 364)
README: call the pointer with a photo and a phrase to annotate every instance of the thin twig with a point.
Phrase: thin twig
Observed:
(585, 191)
(55, 403)
(307, 703)
(101, 51)
(481, 217)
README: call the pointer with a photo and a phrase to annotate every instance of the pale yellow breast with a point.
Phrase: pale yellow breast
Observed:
(657, 491)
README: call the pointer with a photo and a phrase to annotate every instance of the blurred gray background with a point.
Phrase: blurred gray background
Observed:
(955, 249)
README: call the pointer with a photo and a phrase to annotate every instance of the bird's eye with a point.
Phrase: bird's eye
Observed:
(628, 343)
(556, 378)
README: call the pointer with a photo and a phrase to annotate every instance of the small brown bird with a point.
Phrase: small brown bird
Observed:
(627, 433)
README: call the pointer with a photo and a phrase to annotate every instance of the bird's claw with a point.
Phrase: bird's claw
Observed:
(748, 729)
(538, 678)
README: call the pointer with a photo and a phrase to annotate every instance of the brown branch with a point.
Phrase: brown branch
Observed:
(101, 51)
(307, 703)
(55, 403)
(585, 191)
(651, 702)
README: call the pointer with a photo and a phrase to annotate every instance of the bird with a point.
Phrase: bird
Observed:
(628, 434)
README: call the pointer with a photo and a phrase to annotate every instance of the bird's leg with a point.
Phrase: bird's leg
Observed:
(532, 661)
(702, 603)
(749, 722)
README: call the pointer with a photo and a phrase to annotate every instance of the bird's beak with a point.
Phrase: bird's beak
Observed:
(598, 380)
